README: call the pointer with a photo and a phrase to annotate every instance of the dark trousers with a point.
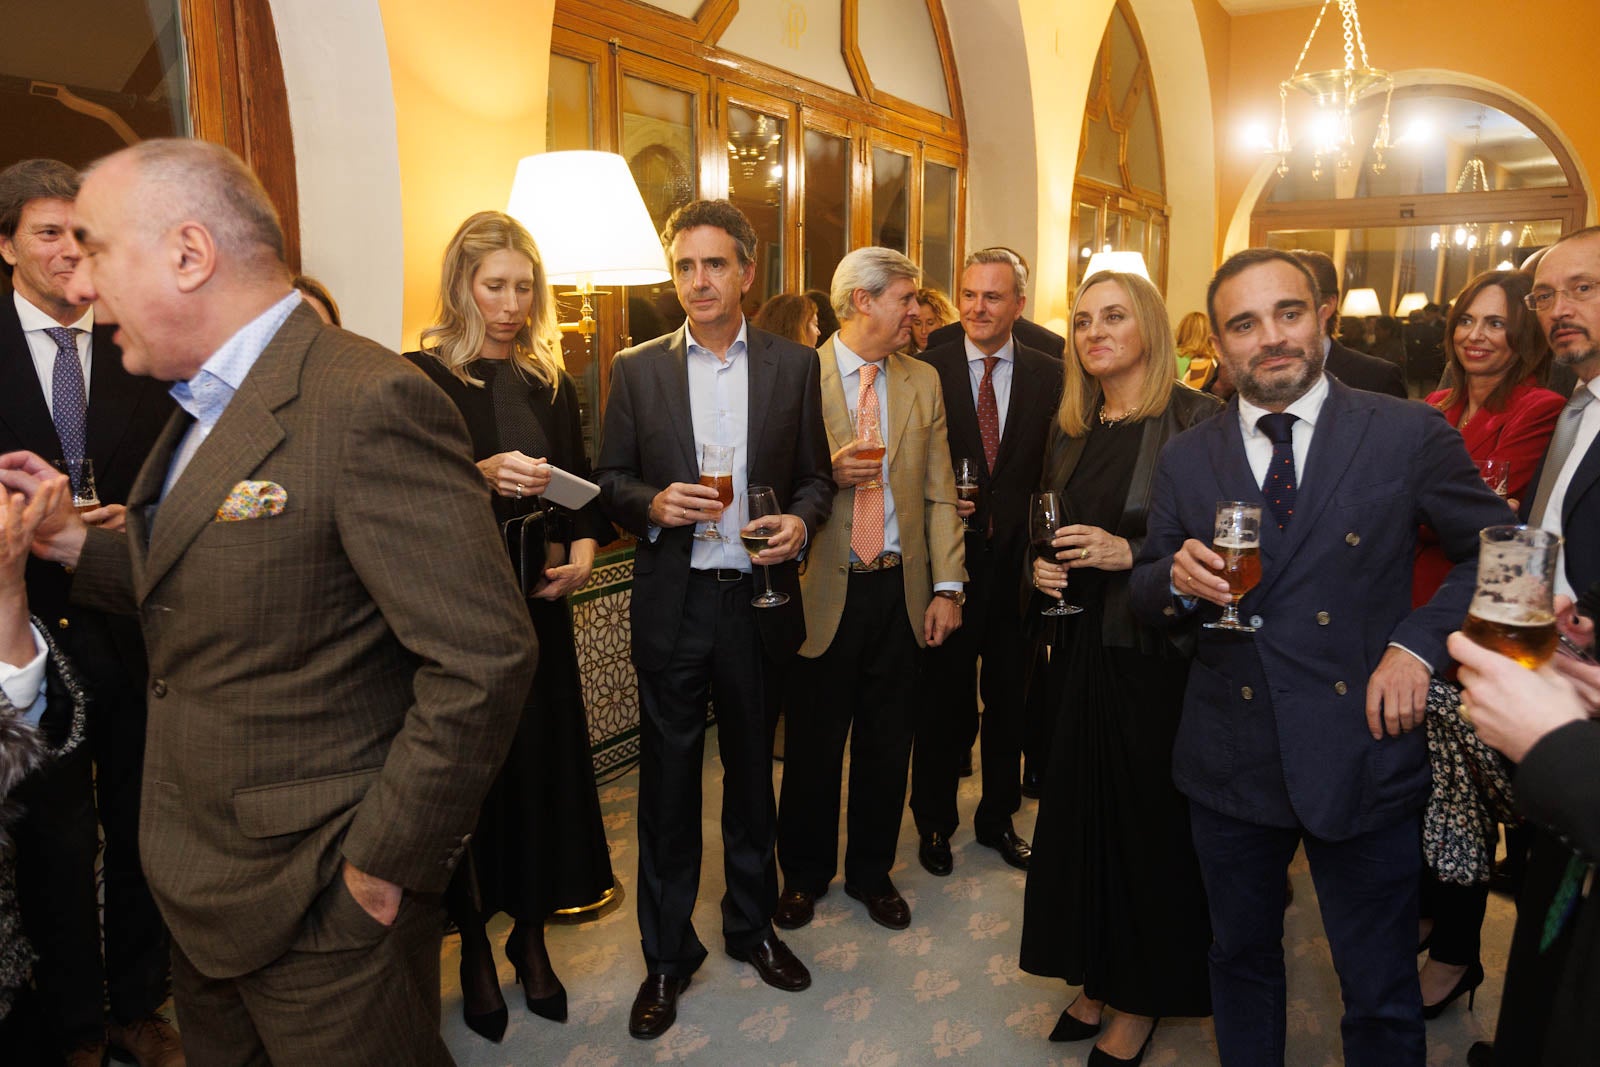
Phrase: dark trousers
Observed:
(718, 658)
(1457, 913)
(1367, 889)
(861, 688)
(991, 630)
(351, 992)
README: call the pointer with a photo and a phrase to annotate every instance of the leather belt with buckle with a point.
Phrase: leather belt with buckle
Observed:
(721, 574)
(886, 561)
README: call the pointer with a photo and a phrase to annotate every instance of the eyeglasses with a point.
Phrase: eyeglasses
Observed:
(1541, 299)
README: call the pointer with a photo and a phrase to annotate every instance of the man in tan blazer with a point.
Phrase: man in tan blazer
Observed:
(337, 653)
(883, 577)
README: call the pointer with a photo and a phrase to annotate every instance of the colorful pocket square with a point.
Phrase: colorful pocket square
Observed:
(253, 500)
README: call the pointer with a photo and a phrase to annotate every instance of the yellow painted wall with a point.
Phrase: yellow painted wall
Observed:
(470, 81)
(1542, 53)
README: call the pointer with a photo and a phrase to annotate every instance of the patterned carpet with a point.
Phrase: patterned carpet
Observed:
(945, 991)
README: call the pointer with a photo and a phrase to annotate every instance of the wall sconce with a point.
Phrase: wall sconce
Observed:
(1361, 304)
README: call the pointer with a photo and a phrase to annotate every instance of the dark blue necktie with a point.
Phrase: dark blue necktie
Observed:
(69, 404)
(1279, 488)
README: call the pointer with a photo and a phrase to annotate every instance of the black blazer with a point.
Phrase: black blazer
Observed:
(1580, 518)
(1118, 628)
(1274, 727)
(1025, 331)
(649, 443)
(562, 419)
(1035, 391)
(1361, 371)
(126, 414)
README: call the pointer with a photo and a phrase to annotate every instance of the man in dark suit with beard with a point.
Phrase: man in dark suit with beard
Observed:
(696, 636)
(64, 394)
(1355, 369)
(1306, 729)
(999, 396)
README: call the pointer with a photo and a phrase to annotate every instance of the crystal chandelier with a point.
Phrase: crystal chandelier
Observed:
(1336, 93)
(751, 149)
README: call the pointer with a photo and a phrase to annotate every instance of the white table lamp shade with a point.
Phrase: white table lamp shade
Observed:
(1411, 302)
(1361, 303)
(588, 219)
(1121, 262)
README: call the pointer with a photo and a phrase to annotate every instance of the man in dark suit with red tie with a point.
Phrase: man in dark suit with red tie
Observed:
(1000, 396)
(64, 394)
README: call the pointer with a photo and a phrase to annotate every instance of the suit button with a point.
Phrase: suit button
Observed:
(1247, 693)
(62, 624)
(1323, 618)
(466, 839)
(1352, 539)
(1169, 611)
(1340, 688)
(158, 688)
(69, 570)
(1256, 621)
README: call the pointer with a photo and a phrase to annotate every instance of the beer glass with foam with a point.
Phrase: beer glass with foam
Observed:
(1513, 609)
(1237, 539)
(716, 471)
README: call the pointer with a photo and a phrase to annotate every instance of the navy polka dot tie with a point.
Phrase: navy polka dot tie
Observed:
(1281, 483)
(68, 398)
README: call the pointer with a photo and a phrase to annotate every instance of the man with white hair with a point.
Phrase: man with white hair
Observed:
(884, 577)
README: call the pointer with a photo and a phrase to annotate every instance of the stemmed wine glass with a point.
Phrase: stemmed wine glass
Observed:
(1045, 517)
(1237, 539)
(1496, 475)
(716, 471)
(760, 515)
(966, 485)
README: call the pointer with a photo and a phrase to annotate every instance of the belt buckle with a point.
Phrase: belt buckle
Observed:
(729, 574)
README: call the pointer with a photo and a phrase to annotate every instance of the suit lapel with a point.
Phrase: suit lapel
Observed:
(835, 407)
(246, 434)
(112, 397)
(762, 380)
(1028, 389)
(672, 381)
(1583, 479)
(901, 398)
(961, 415)
(24, 410)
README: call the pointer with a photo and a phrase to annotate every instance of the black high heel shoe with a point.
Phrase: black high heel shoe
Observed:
(1071, 1028)
(487, 1022)
(1099, 1057)
(552, 1007)
(1468, 984)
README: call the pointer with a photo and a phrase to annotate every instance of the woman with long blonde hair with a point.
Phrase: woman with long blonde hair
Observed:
(1197, 358)
(1114, 901)
(539, 845)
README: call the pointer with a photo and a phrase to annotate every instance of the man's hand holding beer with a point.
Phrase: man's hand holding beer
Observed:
(684, 504)
(61, 531)
(849, 469)
(1195, 573)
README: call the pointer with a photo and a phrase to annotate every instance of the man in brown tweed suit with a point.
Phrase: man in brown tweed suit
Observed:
(337, 654)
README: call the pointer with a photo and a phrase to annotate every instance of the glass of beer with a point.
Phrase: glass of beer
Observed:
(716, 471)
(966, 485)
(1513, 608)
(869, 446)
(1045, 517)
(761, 513)
(85, 497)
(1237, 539)
(1496, 475)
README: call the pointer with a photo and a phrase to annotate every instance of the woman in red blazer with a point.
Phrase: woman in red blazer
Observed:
(1496, 352)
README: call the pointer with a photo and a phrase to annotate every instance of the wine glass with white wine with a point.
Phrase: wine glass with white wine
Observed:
(761, 512)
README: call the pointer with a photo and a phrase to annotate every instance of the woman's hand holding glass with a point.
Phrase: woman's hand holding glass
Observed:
(515, 475)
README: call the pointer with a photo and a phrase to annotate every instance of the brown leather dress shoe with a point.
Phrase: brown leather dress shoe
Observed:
(887, 909)
(795, 909)
(1013, 849)
(777, 966)
(149, 1042)
(655, 1007)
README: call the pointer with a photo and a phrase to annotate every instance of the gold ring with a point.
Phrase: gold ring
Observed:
(1083, 553)
(1466, 714)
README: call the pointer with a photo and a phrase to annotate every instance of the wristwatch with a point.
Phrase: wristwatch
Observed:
(953, 594)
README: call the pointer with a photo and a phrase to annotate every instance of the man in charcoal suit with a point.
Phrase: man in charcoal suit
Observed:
(337, 654)
(1307, 729)
(696, 635)
(65, 395)
(999, 397)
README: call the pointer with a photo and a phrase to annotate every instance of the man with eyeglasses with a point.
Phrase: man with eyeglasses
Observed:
(1542, 961)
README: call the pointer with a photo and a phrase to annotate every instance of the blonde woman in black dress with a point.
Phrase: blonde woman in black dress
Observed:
(539, 845)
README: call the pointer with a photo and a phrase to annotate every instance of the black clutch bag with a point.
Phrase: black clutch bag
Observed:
(534, 546)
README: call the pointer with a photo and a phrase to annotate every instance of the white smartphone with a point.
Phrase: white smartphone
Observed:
(569, 490)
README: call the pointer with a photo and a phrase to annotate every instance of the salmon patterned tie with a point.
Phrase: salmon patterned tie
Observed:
(866, 528)
(1279, 488)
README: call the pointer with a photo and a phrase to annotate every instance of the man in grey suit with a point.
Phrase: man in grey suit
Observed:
(696, 635)
(337, 654)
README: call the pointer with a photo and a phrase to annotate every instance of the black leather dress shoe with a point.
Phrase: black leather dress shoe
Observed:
(777, 966)
(1032, 785)
(887, 909)
(934, 852)
(1480, 1054)
(1013, 849)
(655, 1008)
(795, 909)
